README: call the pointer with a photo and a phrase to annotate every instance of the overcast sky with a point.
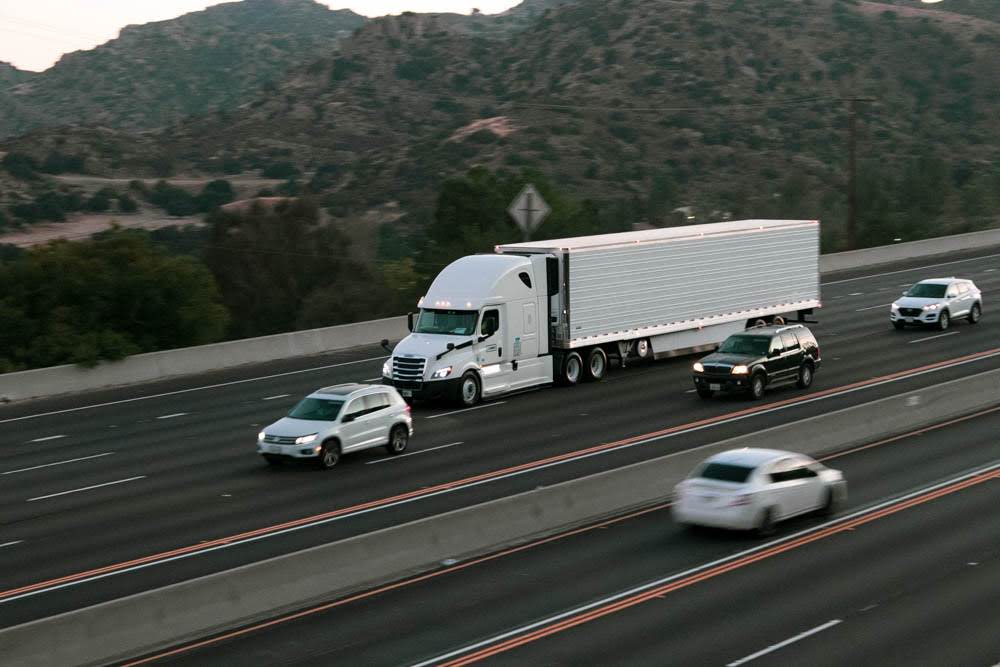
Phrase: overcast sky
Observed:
(34, 33)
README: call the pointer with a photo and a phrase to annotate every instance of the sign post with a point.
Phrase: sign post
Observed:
(528, 210)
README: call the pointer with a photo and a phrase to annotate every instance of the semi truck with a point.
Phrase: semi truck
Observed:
(560, 311)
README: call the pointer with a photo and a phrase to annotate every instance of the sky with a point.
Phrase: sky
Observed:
(34, 33)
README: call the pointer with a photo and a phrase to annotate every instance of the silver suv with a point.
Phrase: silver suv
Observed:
(335, 420)
(937, 303)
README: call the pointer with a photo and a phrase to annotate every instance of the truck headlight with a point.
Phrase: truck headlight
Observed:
(387, 368)
(698, 368)
(441, 373)
(305, 439)
(740, 370)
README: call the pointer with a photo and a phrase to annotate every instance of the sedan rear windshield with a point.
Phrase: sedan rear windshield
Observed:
(726, 472)
(927, 290)
(740, 344)
(317, 409)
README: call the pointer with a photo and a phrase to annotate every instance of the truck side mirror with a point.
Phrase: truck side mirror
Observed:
(409, 322)
(450, 346)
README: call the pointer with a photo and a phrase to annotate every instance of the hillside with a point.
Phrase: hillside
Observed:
(732, 106)
(156, 73)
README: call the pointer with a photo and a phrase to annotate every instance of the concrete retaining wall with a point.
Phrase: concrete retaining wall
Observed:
(149, 621)
(186, 361)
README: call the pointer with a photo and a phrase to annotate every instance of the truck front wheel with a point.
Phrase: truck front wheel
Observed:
(469, 390)
(597, 364)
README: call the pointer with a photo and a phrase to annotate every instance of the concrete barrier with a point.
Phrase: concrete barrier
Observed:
(167, 616)
(191, 360)
(140, 368)
(856, 259)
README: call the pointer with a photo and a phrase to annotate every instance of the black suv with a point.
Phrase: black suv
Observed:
(758, 358)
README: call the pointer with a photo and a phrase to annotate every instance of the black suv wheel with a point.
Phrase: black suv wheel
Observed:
(757, 383)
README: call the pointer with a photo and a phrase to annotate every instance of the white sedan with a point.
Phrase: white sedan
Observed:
(750, 488)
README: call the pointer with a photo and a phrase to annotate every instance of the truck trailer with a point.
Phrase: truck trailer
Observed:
(556, 312)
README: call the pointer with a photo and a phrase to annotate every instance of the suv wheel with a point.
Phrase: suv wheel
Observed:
(704, 393)
(900, 325)
(399, 438)
(944, 319)
(329, 455)
(757, 386)
(805, 375)
(975, 313)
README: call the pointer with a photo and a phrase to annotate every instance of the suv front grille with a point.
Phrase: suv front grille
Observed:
(910, 312)
(714, 369)
(279, 439)
(408, 370)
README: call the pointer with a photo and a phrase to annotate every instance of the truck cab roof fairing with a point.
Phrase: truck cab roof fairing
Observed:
(471, 282)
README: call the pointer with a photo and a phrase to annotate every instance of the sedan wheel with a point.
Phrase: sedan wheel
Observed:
(766, 524)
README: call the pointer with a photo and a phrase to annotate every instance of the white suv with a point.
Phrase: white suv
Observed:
(335, 420)
(937, 302)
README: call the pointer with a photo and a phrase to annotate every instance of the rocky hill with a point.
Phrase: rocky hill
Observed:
(156, 73)
(732, 105)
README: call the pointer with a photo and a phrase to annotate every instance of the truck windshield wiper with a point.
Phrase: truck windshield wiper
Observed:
(456, 347)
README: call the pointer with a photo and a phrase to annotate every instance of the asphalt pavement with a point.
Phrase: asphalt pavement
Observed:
(906, 572)
(115, 492)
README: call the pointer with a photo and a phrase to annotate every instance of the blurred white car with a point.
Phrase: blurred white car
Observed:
(336, 420)
(937, 303)
(744, 489)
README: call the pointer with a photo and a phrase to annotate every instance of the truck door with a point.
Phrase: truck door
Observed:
(492, 355)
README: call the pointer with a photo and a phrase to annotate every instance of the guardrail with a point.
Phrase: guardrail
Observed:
(218, 356)
(153, 620)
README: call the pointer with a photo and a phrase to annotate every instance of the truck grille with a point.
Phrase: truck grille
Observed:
(408, 371)
(910, 312)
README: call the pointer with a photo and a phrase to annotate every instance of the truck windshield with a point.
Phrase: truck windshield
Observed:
(451, 322)
(739, 344)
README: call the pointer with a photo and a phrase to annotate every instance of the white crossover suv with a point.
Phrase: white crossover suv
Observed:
(937, 303)
(336, 420)
(753, 489)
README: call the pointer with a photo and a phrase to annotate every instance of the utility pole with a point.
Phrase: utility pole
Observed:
(852, 171)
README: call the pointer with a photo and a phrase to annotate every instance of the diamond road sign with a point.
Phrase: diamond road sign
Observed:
(528, 209)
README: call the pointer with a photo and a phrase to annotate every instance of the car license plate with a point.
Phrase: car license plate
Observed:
(909, 320)
(274, 449)
(407, 393)
(715, 387)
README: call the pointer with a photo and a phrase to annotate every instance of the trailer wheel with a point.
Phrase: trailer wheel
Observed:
(643, 349)
(571, 369)
(597, 365)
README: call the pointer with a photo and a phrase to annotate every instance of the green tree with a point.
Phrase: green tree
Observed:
(172, 199)
(105, 298)
(126, 204)
(215, 194)
(20, 166)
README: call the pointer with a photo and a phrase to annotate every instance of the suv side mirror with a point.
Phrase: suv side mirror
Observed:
(409, 322)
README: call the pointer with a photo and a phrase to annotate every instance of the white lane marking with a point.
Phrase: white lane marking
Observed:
(185, 391)
(57, 463)
(524, 629)
(86, 488)
(921, 340)
(455, 412)
(916, 268)
(690, 391)
(989, 270)
(791, 640)
(272, 398)
(881, 305)
(373, 379)
(403, 456)
(171, 416)
(10, 544)
(856, 294)
(50, 437)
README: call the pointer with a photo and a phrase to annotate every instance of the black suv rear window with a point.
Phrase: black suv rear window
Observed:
(726, 472)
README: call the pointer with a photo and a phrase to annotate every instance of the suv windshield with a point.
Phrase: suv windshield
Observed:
(726, 472)
(927, 290)
(317, 409)
(743, 344)
(453, 322)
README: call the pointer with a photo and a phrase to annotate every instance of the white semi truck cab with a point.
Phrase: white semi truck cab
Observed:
(555, 311)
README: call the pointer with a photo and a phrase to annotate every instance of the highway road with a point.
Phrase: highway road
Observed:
(906, 572)
(115, 492)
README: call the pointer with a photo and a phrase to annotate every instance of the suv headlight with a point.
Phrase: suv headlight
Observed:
(305, 439)
(698, 368)
(387, 368)
(261, 436)
(740, 370)
(894, 308)
(441, 373)
(932, 306)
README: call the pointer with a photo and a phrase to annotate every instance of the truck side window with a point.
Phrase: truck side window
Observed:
(525, 278)
(491, 322)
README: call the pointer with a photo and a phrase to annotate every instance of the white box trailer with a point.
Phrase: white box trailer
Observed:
(555, 311)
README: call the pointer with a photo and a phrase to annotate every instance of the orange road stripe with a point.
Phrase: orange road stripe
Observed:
(194, 548)
(714, 572)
